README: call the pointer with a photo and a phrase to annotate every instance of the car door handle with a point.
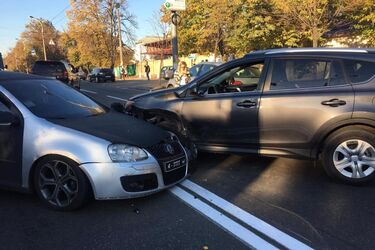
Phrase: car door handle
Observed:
(334, 102)
(247, 104)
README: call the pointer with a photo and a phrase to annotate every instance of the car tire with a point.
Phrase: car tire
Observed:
(349, 155)
(61, 184)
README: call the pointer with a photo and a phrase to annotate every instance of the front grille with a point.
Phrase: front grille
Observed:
(159, 151)
(162, 155)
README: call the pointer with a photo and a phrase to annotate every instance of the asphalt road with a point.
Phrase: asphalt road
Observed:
(230, 202)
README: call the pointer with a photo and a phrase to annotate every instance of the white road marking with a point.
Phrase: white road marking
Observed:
(117, 98)
(254, 222)
(88, 91)
(246, 236)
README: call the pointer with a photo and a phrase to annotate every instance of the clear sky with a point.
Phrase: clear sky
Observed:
(15, 14)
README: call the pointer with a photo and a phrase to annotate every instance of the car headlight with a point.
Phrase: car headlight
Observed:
(126, 153)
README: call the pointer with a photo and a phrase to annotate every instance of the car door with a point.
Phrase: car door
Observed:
(11, 136)
(224, 115)
(301, 97)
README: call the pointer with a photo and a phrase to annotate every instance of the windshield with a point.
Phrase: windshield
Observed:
(51, 99)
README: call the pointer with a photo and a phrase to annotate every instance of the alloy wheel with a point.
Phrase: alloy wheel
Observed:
(354, 158)
(58, 183)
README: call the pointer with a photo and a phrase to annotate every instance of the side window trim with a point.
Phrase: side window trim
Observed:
(267, 85)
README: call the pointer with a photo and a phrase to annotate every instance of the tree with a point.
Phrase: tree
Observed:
(233, 27)
(255, 26)
(161, 29)
(20, 57)
(92, 37)
(315, 16)
(364, 22)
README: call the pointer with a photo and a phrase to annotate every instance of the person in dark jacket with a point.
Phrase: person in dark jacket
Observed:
(147, 70)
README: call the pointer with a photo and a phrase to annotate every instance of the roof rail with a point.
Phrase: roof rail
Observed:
(304, 50)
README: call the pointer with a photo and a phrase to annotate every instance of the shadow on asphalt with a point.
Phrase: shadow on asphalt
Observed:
(294, 195)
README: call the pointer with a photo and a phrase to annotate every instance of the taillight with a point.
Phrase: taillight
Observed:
(65, 73)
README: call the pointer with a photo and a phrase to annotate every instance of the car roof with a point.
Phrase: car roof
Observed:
(288, 51)
(6, 76)
(210, 63)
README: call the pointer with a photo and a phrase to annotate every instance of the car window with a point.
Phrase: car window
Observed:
(305, 73)
(194, 71)
(106, 71)
(4, 107)
(206, 68)
(359, 71)
(238, 79)
(53, 99)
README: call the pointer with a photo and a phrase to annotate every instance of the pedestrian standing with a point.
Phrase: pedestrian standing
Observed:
(147, 71)
(124, 72)
(182, 75)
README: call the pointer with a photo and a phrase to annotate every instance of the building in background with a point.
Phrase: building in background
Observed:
(157, 52)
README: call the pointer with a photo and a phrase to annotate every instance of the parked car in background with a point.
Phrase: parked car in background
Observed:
(167, 72)
(101, 75)
(66, 148)
(195, 72)
(61, 70)
(304, 103)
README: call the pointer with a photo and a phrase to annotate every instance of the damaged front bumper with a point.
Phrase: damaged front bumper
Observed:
(130, 180)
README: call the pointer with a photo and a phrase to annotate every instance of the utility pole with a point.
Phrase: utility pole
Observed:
(173, 6)
(119, 33)
(44, 44)
(174, 40)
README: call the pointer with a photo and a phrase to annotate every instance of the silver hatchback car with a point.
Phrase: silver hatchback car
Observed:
(64, 146)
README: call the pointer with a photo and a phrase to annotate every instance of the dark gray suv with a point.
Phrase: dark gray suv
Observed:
(305, 103)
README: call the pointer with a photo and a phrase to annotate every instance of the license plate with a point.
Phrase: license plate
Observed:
(107, 76)
(175, 164)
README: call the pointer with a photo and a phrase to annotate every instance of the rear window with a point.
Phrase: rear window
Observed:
(194, 70)
(206, 68)
(359, 71)
(46, 67)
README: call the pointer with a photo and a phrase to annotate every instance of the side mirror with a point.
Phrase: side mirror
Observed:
(8, 119)
(118, 107)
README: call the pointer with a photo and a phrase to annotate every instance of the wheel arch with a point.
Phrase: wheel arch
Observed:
(30, 181)
(329, 130)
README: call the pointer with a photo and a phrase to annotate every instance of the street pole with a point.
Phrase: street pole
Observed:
(44, 44)
(119, 34)
(174, 40)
